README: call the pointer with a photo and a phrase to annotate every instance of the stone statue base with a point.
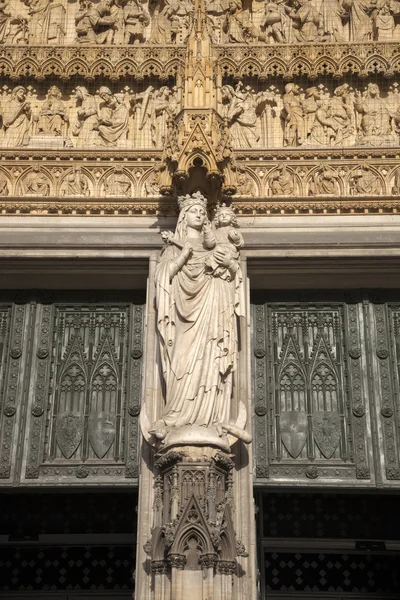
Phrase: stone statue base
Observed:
(193, 435)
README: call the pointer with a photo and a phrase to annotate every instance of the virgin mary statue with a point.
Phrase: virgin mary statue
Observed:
(199, 297)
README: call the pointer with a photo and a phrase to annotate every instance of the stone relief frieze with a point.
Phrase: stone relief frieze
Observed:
(100, 22)
(296, 184)
(288, 22)
(128, 119)
(314, 116)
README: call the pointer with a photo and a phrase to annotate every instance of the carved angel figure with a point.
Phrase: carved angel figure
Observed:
(197, 313)
(156, 107)
(17, 115)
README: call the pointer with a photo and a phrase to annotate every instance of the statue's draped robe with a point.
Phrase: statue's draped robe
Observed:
(197, 323)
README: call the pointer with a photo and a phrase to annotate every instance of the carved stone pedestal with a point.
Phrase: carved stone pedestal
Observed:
(193, 548)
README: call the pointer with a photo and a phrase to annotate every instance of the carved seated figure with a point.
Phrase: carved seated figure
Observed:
(52, 116)
(36, 183)
(365, 182)
(75, 184)
(113, 119)
(118, 184)
(305, 21)
(95, 24)
(282, 183)
(375, 126)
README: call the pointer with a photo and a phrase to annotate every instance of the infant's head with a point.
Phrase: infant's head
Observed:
(225, 216)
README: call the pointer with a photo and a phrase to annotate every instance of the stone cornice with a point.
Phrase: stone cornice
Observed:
(310, 60)
(90, 62)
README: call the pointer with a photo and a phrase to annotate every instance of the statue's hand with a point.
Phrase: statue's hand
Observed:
(187, 251)
(223, 258)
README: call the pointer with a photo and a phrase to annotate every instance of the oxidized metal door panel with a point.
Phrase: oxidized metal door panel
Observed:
(311, 393)
(384, 318)
(84, 395)
(15, 319)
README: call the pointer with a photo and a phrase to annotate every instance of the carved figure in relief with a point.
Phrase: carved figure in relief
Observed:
(52, 115)
(239, 108)
(152, 183)
(47, 22)
(197, 314)
(83, 24)
(13, 27)
(342, 113)
(325, 128)
(365, 182)
(396, 183)
(282, 182)
(135, 20)
(95, 24)
(324, 182)
(157, 107)
(309, 107)
(276, 21)
(113, 119)
(216, 10)
(292, 115)
(237, 25)
(75, 184)
(227, 238)
(330, 27)
(4, 188)
(305, 22)
(172, 22)
(360, 23)
(36, 183)
(383, 21)
(118, 183)
(375, 124)
(17, 115)
(86, 125)
(245, 184)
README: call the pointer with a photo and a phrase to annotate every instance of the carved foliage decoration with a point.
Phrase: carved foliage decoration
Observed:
(88, 379)
(303, 409)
